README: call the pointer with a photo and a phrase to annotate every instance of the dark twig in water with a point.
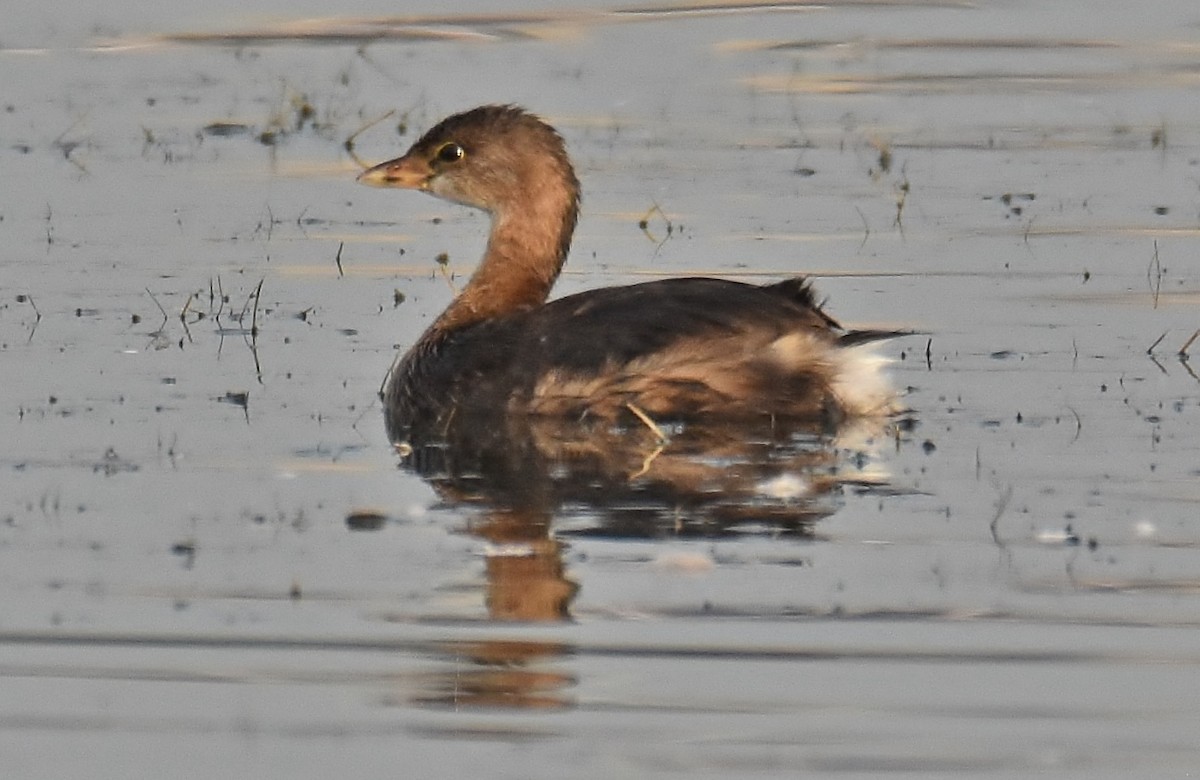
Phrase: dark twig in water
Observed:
(254, 316)
(1078, 424)
(1155, 281)
(222, 299)
(159, 305)
(929, 355)
(1184, 357)
(161, 310)
(241, 318)
(257, 365)
(1001, 506)
(252, 340)
(270, 222)
(349, 144)
(354, 425)
(644, 224)
(1183, 351)
(37, 315)
(1157, 341)
(866, 228)
(183, 317)
(1187, 366)
(443, 261)
(793, 99)
(902, 190)
(67, 147)
(338, 259)
(158, 338)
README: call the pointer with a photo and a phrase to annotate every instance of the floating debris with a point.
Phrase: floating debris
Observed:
(225, 129)
(366, 520)
(112, 464)
(241, 399)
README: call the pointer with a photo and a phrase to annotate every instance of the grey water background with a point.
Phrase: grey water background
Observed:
(187, 591)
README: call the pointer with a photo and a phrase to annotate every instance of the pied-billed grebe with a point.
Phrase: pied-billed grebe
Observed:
(672, 349)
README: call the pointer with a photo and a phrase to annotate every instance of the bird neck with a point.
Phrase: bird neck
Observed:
(525, 252)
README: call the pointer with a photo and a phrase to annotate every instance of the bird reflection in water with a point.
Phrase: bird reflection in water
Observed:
(533, 483)
(492, 673)
(538, 482)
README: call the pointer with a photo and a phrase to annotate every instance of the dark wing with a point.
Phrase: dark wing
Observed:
(616, 325)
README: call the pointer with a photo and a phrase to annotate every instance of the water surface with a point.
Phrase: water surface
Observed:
(213, 563)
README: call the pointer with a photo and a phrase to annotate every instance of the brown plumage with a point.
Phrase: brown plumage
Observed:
(673, 348)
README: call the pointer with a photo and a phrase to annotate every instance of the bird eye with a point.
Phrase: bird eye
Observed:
(450, 153)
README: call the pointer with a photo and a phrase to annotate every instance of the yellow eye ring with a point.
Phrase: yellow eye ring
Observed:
(450, 153)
